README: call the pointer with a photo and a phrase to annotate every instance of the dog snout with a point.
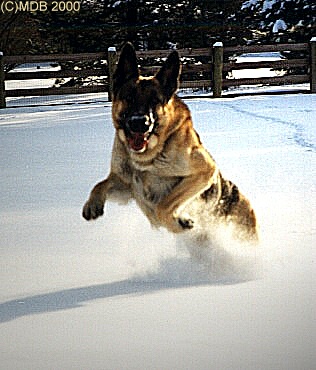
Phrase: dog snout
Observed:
(138, 123)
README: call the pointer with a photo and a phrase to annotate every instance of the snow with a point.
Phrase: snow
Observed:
(117, 3)
(249, 3)
(279, 25)
(258, 72)
(36, 67)
(116, 294)
(268, 4)
(33, 83)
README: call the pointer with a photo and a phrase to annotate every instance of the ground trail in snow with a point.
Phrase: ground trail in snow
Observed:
(299, 135)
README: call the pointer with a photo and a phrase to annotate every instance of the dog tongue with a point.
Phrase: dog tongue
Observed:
(137, 141)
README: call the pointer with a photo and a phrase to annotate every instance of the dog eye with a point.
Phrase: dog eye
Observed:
(127, 95)
(130, 99)
(155, 100)
(124, 116)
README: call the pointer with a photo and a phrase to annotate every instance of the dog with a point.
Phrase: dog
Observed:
(158, 158)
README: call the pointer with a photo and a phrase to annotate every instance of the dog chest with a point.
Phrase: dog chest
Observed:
(151, 189)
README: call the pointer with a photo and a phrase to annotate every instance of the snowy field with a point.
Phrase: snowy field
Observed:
(115, 294)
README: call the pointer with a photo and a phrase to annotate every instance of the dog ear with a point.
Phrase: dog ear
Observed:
(168, 76)
(127, 68)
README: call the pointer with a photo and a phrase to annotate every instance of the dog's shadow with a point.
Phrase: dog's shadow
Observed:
(173, 273)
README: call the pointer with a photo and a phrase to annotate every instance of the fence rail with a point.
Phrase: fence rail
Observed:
(213, 72)
(20, 59)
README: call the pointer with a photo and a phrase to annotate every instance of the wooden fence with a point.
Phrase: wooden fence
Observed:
(53, 59)
(210, 72)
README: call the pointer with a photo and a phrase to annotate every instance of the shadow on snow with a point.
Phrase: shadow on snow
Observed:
(173, 273)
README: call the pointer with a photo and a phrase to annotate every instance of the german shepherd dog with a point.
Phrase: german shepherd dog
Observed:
(158, 158)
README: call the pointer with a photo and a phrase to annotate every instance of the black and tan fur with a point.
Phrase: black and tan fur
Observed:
(159, 160)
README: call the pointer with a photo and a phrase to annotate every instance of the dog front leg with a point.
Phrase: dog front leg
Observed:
(112, 186)
(197, 172)
(170, 211)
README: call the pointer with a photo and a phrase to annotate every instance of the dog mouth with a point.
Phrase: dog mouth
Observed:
(138, 132)
(138, 141)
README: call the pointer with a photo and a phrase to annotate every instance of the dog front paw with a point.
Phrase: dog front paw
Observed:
(93, 209)
(186, 223)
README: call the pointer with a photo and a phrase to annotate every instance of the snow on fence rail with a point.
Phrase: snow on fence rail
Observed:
(211, 71)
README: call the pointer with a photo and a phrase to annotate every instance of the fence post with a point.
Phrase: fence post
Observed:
(112, 59)
(218, 52)
(313, 65)
(2, 86)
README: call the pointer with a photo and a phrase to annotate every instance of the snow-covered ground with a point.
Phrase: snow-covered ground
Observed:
(258, 72)
(33, 83)
(115, 294)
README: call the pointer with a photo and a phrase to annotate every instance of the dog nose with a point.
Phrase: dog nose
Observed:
(138, 123)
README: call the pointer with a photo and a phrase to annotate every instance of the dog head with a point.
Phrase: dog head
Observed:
(139, 102)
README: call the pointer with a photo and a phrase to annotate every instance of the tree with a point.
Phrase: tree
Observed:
(155, 24)
(147, 23)
(298, 16)
(18, 33)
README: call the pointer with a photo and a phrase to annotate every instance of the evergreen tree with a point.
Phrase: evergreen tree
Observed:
(297, 17)
(18, 33)
(148, 24)
(155, 24)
